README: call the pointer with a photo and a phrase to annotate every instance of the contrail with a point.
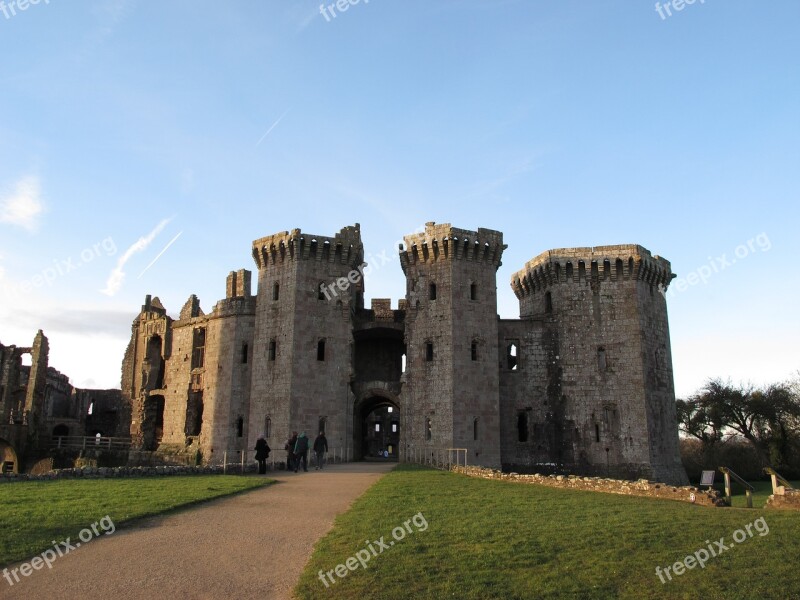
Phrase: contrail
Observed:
(152, 262)
(274, 125)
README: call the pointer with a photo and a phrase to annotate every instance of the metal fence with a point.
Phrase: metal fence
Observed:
(75, 442)
(439, 458)
(242, 461)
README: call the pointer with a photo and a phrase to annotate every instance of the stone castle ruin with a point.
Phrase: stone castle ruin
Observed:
(38, 406)
(581, 382)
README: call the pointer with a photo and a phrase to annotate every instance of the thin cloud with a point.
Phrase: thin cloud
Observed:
(24, 205)
(117, 276)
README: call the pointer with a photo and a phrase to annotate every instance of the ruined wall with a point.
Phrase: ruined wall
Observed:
(452, 388)
(111, 414)
(144, 373)
(297, 309)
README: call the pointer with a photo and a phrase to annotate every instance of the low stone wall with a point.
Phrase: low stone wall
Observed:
(120, 472)
(642, 487)
(789, 500)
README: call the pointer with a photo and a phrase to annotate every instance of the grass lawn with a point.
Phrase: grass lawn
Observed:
(492, 539)
(34, 513)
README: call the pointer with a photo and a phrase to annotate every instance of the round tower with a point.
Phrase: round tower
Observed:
(607, 309)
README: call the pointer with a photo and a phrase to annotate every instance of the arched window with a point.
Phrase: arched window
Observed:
(323, 422)
(619, 268)
(267, 427)
(512, 356)
(403, 363)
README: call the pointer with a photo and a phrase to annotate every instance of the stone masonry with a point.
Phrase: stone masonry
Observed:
(582, 382)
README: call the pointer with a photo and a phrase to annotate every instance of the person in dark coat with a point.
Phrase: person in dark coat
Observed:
(301, 452)
(262, 454)
(290, 458)
(320, 448)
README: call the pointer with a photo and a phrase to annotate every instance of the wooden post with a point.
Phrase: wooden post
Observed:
(225, 462)
(728, 488)
(244, 452)
(749, 495)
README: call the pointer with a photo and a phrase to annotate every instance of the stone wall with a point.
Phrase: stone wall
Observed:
(789, 500)
(641, 487)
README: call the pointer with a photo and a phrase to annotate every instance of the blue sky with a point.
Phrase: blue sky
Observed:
(128, 126)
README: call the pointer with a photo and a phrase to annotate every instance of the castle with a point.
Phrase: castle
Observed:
(582, 381)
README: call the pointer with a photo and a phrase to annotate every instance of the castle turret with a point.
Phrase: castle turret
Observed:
(307, 287)
(607, 313)
(452, 386)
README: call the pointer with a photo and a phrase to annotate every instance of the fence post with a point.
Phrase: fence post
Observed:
(727, 488)
(244, 452)
(225, 462)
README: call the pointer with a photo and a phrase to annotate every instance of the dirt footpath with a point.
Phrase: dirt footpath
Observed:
(250, 546)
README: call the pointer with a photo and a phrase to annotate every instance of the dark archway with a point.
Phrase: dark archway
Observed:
(376, 429)
(8, 458)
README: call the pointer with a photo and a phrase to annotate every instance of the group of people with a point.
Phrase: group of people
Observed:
(296, 451)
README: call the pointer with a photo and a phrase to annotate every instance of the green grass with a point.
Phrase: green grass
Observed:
(493, 539)
(33, 514)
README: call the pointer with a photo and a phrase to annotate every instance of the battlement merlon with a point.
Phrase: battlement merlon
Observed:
(626, 261)
(345, 247)
(442, 242)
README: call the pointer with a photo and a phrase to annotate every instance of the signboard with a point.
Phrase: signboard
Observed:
(707, 478)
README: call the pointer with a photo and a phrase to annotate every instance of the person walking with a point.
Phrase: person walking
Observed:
(289, 447)
(320, 448)
(301, 452)
(262, 454)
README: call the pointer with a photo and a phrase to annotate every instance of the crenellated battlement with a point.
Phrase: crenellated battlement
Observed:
(444, 242)
(345, 247)
(573, 265)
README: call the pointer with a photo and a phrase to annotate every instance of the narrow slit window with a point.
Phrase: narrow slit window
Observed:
(321, 350)
(432, 291)
(473, 291)
(240, 427)
(273, 347)
(522, 426)
(267, 427)
(428, 429)
(474, 351)
(245, 349)
(596, 432)
(276, 291)
(429, 351)
(548, 302)
(602, 365)
(475, 429)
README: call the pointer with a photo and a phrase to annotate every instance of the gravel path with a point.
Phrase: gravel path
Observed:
(254, 545)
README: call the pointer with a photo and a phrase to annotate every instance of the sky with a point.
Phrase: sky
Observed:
(145, 145)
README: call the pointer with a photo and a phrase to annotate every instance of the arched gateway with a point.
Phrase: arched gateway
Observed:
(377, 426)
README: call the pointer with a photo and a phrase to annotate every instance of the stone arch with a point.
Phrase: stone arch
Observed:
(8, 457)
(377, 424)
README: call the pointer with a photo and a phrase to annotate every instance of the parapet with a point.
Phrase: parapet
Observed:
(444, 242)
(573, 265)
(345, 247)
